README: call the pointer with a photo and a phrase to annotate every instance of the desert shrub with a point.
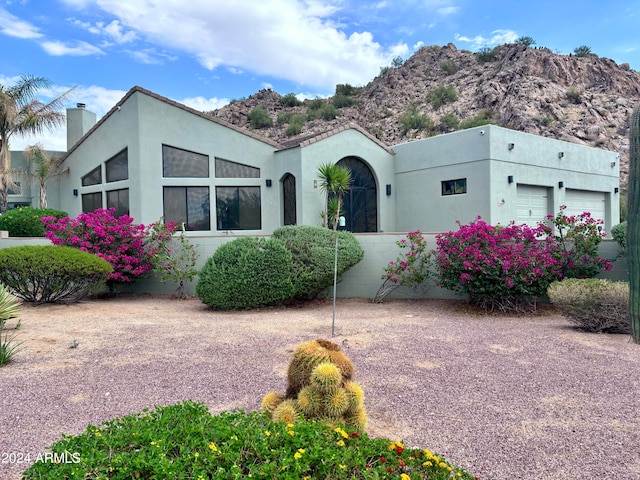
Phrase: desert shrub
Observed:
(9, 308)
(342, 101)
(346, 90)
(50, 273)
(284, 117)
(442, 95)
(295, 125)
(289, 100)
(619, 234)
(184, 441)
(485, 117)
(582, 51)
(595, 304)
(486, 54)
(27, 221)
(259, 118)
(412, 268)
(449, 122)
(118, 240)
(576, 243)
(326, 111)
(574, 96)
(246, 273)
(315, 104)
(313, 253)
(526, 41)
(498, 267)
(412, 119)
(449, 66)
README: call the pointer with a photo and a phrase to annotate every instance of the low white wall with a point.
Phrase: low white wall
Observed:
(363, 280)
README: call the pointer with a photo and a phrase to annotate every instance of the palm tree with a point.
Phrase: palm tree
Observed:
(42, 168)
(334, 180)
(22, 113)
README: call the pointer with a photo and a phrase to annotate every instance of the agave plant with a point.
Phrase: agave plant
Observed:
(9, 308)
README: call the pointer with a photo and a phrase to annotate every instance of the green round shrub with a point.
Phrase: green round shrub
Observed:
(313, 252)
(51, 273)
(246, 273)
(27, 221)
(619, 234)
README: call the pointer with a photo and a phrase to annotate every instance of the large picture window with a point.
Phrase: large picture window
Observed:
(227, 169)
(182, 163)
(94, 177)
(117, 167)
(119, 199)
(454, 187)
(188, 206)
(238, 208)
(91, 201)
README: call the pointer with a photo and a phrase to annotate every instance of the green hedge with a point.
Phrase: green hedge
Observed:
(50, 273)
(246, 273)
(595, 304)
(619, 234)
(27, 221)
(313, 253)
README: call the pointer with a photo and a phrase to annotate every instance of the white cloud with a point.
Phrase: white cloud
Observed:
(113, 30)
(498, 37)
(418, 45)
(205, 104)
(76, 48)
(14, 27)
(150, 56)
(299, 40)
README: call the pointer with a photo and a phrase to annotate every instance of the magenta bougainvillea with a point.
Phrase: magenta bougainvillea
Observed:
(118, 240)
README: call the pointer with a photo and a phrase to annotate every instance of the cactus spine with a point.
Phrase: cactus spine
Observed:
(633, 224)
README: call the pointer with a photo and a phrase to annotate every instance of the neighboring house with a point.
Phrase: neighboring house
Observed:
(151, 157)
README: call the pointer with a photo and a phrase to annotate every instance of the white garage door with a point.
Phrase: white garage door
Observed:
(533, 205)
(579, 201)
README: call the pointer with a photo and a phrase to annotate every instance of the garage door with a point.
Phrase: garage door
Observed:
(579, 201)
(533, 204)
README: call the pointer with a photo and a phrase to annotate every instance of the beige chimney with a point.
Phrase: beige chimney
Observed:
(79, 122)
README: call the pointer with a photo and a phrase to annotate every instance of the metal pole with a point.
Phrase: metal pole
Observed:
(335, 282)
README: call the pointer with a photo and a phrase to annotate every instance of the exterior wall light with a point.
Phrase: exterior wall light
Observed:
(388, 189)
(560, 184)
(268, 182)
(510, 178)
(560, 154)
(613, 164)
(616, 190)
(75, 192)
(511, 146)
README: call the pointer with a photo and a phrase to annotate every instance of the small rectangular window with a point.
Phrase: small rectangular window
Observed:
(182, 163)
(189, 206)
(238, 208)
(118, 199)
(227, 169)
(454, 187)
(91, 201)
(94, 177)
(117, 167)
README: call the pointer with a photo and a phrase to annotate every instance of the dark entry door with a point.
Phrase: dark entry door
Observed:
(361, 200)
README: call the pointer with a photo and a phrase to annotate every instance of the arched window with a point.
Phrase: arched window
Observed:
(289, 199)
(361, 200)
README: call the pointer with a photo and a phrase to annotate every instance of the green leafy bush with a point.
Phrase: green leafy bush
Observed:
(526, 41)
(27, 221)
(595, 304)
(259, 118)
(342, 101)
(246, 273)
(449, 66)
(326, 111)
(486, 54)
(9, 308)
(295, 126)
(313, 252)
(51, 273)
(289, 100)
(619, 234)
(449, 122)
(582, 51)
(485, 117)
(442, 95)
(185, 442)
(412, 119)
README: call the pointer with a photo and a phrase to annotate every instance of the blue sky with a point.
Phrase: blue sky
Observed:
(205, 53)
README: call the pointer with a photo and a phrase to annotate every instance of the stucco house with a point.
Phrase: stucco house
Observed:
(152, 157)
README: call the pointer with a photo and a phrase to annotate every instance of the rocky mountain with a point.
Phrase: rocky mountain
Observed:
(583, 99)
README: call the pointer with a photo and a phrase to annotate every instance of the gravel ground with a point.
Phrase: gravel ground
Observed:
(503, 397)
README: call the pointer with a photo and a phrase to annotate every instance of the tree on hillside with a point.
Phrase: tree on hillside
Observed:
(22, 113)
(42, 168)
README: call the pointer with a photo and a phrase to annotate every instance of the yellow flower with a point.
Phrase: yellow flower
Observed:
(442, 465)
(427, 464)
(341, 443)
(289, 425)
(404, 476)
(291, 432)
(153, 443)
(342, 432)
(427, 452)
(459, 474)
(213, 447)
(267, 433)
(343, 467)
(301, 450)
(297, 455)
(196, 454)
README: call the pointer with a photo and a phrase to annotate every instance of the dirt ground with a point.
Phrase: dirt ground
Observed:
(501, 396)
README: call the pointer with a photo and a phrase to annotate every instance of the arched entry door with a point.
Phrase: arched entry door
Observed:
(289, 199)
(361, 200)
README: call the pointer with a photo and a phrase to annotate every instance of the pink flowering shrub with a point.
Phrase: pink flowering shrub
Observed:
(577, 238)
(118, 240)
(508, 267)
(410, 269)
